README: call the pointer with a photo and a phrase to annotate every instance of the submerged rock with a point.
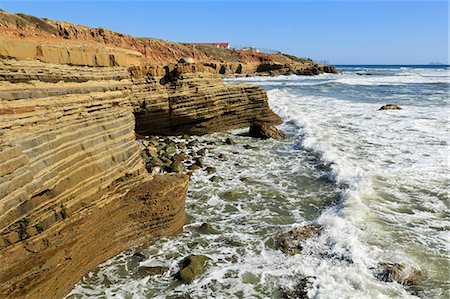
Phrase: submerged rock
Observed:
(144, 271)
(201, 152)
(390, 107)
(193, 167)
(223, 157)
(216, 179)
(206, 228)
(291, 241)
(231, 195)
(199, 162)
(230, 141)
(210, 170)
(138, 257)
(192, 267)
(265, 131)
(390, 272)
(300, 290)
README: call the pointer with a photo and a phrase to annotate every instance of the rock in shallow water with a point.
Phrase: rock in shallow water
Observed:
(390, 107)
(265, 131)
(192, 267)
(291, 241)
(206, 228)
(390, 272)
(300, 290)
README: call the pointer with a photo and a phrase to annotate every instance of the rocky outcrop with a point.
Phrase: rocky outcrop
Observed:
(74, 190)
(59, 42)
(390, 107)
(265, 131)
(192, 267)
(291, 242)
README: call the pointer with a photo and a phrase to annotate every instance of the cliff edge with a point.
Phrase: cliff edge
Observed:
(74, 190)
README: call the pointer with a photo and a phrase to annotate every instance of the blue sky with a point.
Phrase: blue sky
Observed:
(342, 32)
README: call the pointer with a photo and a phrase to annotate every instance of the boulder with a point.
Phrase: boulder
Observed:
(176, 166)
(210, 170)
(300, 290)
(390, 107)
(138, 257)
(231, 195)
(230, 141)
(265, 131)
(194, 167)
(390, 272)
(291, 241)
(192, 267)
(223, 157)
(199, 162)
(216, 179)
(206, 228)
(201, 152)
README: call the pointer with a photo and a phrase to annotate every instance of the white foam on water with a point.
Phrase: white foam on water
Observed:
(372, 76)
(362, 144)
(376, 180)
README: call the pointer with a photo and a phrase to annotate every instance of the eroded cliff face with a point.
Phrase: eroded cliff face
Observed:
(74, 190)
(73, 187)
(57, 42)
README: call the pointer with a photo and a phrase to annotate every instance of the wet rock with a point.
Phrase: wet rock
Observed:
(181, 145)
(390, 107)
(300, 290)
(138, 257)
(230, 141)
(244, 178)
(201, 152)
(223, 157)
(180, 157)
(291, 241)
(194, 167)
(176, 166)
(170, 150)
(199, 162)
(206, 228)
(390, 272)
(144, 271)
(192, 143)
(186, 137)
(265, 131)
(247, 147)
(216, 179)
(230, 195)
(210, 170)
(152, 151)
(192, 267)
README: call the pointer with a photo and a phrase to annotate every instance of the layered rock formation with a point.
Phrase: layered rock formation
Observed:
(73, 187)
(24, 36)
(74, 190)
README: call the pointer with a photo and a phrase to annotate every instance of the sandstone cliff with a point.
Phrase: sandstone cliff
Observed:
(23, 36)
(74, 190)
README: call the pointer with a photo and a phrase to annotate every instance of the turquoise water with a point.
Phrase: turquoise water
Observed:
(376, 180)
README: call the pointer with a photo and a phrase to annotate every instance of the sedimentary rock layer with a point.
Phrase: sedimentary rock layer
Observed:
(23, 36)
(73, 188)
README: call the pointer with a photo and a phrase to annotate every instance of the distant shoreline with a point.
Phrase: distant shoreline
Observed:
(395, 65)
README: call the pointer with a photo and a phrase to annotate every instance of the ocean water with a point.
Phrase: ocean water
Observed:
(377, 181)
